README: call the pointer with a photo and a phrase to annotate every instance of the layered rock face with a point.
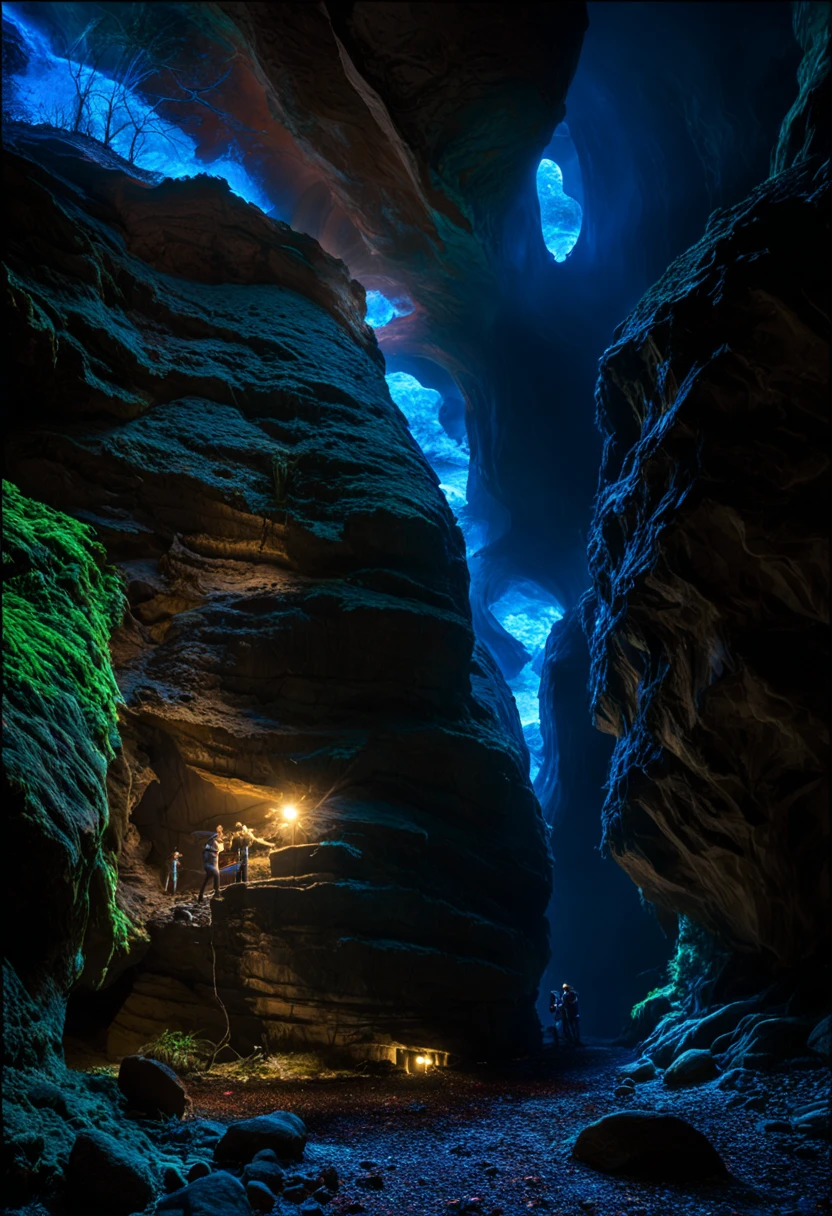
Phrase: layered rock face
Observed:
(709, 561)
(202, 389)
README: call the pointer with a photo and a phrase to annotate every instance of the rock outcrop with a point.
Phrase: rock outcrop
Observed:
(201, 388)
(710, 568)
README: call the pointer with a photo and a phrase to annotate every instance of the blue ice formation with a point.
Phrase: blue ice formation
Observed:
(381, 311)
(46, 93)
(560, 215)
(525, 610)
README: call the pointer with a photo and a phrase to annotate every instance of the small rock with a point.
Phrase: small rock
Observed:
(172, 1180)
(266, 1154)
(642, 1070)
(491, 1171)
(755, 1102)
(310, 1208)
(280, 1131)
(775, 1125)
(691, 1068)
(812, 1118)
(368, 1165)
(329, 1177)
(322, 1195)
(266, 1172)
(151, 1087)
(734, 1078)
(624, 1091)
(370, 1182)
(259, 1196)
(182, 914)
(200, 1169)
(648, 1145)
(105, 1177)
(219, 1195)
(807, 1151)
(295, 1194)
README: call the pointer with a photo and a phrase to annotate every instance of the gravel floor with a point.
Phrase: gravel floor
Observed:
(498, 1140)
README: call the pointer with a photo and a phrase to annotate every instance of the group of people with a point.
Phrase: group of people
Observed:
(566, 1010)
(215, 844)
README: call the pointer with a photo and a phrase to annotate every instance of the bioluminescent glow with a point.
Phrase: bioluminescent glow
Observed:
(381, 311)
(525, 611)
(448, 458)
(560, 215)
(528, 613)
(60, 92)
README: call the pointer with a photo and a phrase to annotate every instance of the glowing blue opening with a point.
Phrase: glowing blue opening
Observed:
(381, 311)
(525, 611)
(47, 93)
(560, 215)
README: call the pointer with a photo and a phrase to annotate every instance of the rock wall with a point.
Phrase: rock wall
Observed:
(709, 563)
(202, 389)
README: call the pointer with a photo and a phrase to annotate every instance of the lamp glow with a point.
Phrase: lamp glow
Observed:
(421, 1060)
(290, 813)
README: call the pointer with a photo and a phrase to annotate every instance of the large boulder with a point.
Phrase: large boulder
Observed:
(648, 1145)
(105, 1177)
(280, 1131)
(152, 1087)
(820, 1040)
(218, 1194)
(691, 1068)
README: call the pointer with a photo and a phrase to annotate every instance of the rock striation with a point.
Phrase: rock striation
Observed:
(203, 391)
(710, 567)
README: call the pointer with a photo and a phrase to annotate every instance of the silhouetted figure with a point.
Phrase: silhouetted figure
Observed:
(571, 1014)
(210, 859)
(172, 876)
(240, 844)
(556, 1009)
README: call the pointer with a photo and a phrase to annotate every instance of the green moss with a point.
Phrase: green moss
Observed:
(60, 605)
(694, 948)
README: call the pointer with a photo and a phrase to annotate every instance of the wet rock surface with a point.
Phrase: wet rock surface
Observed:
(648, 1145)
(106, 1176)
(152, 1087)
(281, 1132)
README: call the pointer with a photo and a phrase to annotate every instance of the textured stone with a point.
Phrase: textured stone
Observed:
(220, 1195)
(104, 1176)
(282, 1132)
(820, 1040)
(648, 1145)
(711, 576)
(640, 1070)
(152, 1087)
(691, 1068)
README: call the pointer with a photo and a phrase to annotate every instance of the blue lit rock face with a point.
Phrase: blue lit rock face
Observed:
(46, 92)
(525, 611)
(560, 215)
(299, 619)
(381, 311)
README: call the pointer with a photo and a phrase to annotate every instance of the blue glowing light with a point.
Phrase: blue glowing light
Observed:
(47, 92)
(560, 215)
(524, 610)
(381, 311)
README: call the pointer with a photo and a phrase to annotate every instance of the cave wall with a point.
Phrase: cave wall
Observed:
(710, 565)
(202, 389)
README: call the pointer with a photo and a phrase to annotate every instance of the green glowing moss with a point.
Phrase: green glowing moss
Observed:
(694, 948)
(60, 605)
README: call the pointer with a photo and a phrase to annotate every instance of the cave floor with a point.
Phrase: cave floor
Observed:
(501, 1136)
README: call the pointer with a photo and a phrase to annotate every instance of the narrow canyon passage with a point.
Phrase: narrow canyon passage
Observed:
(414, 598)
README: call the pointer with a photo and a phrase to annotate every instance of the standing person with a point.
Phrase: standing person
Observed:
(241, 843)
(211, 850)
(172, 876)
(556, 1009)
(571, 1014)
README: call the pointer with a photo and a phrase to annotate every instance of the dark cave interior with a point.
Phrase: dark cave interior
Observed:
(416, 457)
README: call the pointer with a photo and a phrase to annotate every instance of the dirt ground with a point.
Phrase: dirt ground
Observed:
(497, 1140)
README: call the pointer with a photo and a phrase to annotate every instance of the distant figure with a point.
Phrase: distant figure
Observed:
(240, 844)
(571, 1014)
(172, 876)
(210, 859)
(556, 1009)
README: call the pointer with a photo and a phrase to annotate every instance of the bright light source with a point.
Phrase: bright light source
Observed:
(421, 1060)
(290, 813)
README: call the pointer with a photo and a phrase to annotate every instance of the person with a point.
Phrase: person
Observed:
(210, 859)
(571, 1014)
(556, 1009)
(172, 876)
(241, 843)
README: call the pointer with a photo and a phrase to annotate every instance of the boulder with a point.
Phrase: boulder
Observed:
(220, 1195)
(105, 1177)
(200, 1169)
(820, 1040)
(152, 1087)
(691, 1068)
(640, 1070)
(261, 1169)
(259, 1196)
(648, 1145)
(812, 1118)
(281, 1131)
